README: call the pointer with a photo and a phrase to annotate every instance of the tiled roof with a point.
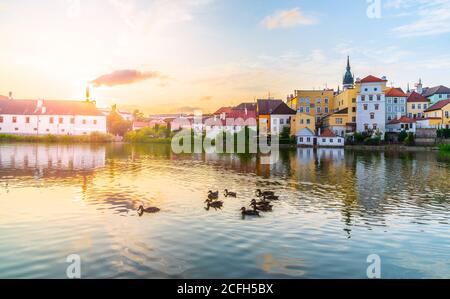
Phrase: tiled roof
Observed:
(415, 97)
(224, 110)
(436, 90)
(372, 79)
(266, 107)
(283, 109)
(52, 107)
(402, 120)
(327, 133)
(439, 105)
(248, 106)
(395, 92)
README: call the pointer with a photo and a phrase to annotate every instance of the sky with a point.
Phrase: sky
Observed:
(170, 56)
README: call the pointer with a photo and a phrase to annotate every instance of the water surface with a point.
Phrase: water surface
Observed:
(337, 208)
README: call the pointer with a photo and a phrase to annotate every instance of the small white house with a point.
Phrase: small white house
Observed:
(306, 138)
(402, 124)
(329, 139)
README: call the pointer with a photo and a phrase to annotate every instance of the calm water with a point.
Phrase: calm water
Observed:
(337, 208)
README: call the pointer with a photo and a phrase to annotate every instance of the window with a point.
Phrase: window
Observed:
(319, 110)
(363, 98)
(375, 127)
(307, 110)
(389, 118)
(326, 100)
(366, 106)
(424, 106)
(61, 120)
(419, 106)
(72, 120)
(302, 109)
(302, 100)
(324, 140)
(353, 100)
(339, 121)
(377, 107)
(403, 108)
(16, 129)
(84, 121)
(413, 106)
(378, 97)
(389, 108)
(354, 119)
(27, 120)
(395, 101)
(376, 89)
(14, 119)
(281, 121)
(326, 110)
(389, 101)
(371, 98)
(366, 89)
(446, 114)
(354, 109)
(339, 140)
(308, 139)
(301, 139)
(318, 100)
(308, 100)
(1, 119)
(52, 120)
(308, 121)
(331, 140)
(302, 121)
(372, 115)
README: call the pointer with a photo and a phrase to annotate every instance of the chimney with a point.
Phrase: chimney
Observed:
(10, 95)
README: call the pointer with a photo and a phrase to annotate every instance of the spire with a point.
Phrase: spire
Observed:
(87, 93)
(349, 79)
(408, 88)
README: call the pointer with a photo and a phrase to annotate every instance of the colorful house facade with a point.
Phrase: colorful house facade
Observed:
(395, 103)
(416, 105)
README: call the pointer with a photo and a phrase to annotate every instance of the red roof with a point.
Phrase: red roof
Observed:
(438, 106)
(372, 79)
(415, 97)
(402, 120)
(327, 133)
(52, 107)
(225, 110)
(395, 92)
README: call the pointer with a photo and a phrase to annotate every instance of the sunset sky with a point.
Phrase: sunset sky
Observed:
(167, 56)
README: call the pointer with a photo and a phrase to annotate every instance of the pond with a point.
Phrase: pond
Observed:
(337, 207)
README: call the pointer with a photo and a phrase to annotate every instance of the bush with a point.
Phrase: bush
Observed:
(372, 141)
(359, 137)
(443, 133)
(410, 140)
(444, 148)
(402, 136)
(95, 137)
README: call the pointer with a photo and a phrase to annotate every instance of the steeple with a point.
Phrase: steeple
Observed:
(349, 79)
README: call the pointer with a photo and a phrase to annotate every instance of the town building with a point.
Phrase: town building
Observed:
(338, 123)
(43, 117)
(317, 103)
(395, 103)
(329, 139)
(349, 78)
(306, 138)
(403, 123)
(416, 105)
(371, 105)
(273, 116)
(437, 116)
(301, 121)
(437, 93)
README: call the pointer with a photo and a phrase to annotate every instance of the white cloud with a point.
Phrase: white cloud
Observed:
(288, 18)
(431, 17)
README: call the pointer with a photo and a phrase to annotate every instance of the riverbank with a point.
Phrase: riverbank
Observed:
(94, 137)
(392, 148)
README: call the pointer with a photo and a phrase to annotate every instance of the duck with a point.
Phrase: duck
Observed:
(213, 195)
(264, 208)
(230, 194)
(246, 212)
(271, 197)
(259, 203)
(259, 193)
(141, 210)
(214, 204)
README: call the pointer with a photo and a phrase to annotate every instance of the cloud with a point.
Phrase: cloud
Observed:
(288, 18)
(124, 77)
(185, 109)
(431, 17)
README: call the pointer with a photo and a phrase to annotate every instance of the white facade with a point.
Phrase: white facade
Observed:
(331, 141)
(371, 108)
(397, 128)
(278, 122)
(306, 137)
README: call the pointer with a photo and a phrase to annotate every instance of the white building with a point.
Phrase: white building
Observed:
(280, 118)
(329, 139)
(43, 117)
(371, 105)
(401, 124)
(306, 137)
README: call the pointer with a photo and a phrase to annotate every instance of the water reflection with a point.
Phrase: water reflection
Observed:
(337, 207)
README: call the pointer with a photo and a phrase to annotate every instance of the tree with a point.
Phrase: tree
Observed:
(138, 115)
(116, 124)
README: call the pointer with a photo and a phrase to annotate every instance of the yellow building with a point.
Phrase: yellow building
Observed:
(347, 99)
(416, 105)
(437, 116)
(338, 122)
(301, 121)
(316, 103)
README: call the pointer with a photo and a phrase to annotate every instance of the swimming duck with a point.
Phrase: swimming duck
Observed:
(259, 203)
(246, 212)
(230, 194)
(213, 195)
(259, 193)
(271, 197)
(214, 204)
(141, 210)
(264, 208)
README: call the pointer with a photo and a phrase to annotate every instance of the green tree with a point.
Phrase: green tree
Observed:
(116, 124)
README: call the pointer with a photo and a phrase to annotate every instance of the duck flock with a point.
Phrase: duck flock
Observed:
(256, 207)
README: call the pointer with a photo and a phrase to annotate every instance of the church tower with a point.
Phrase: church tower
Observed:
(349, 79)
